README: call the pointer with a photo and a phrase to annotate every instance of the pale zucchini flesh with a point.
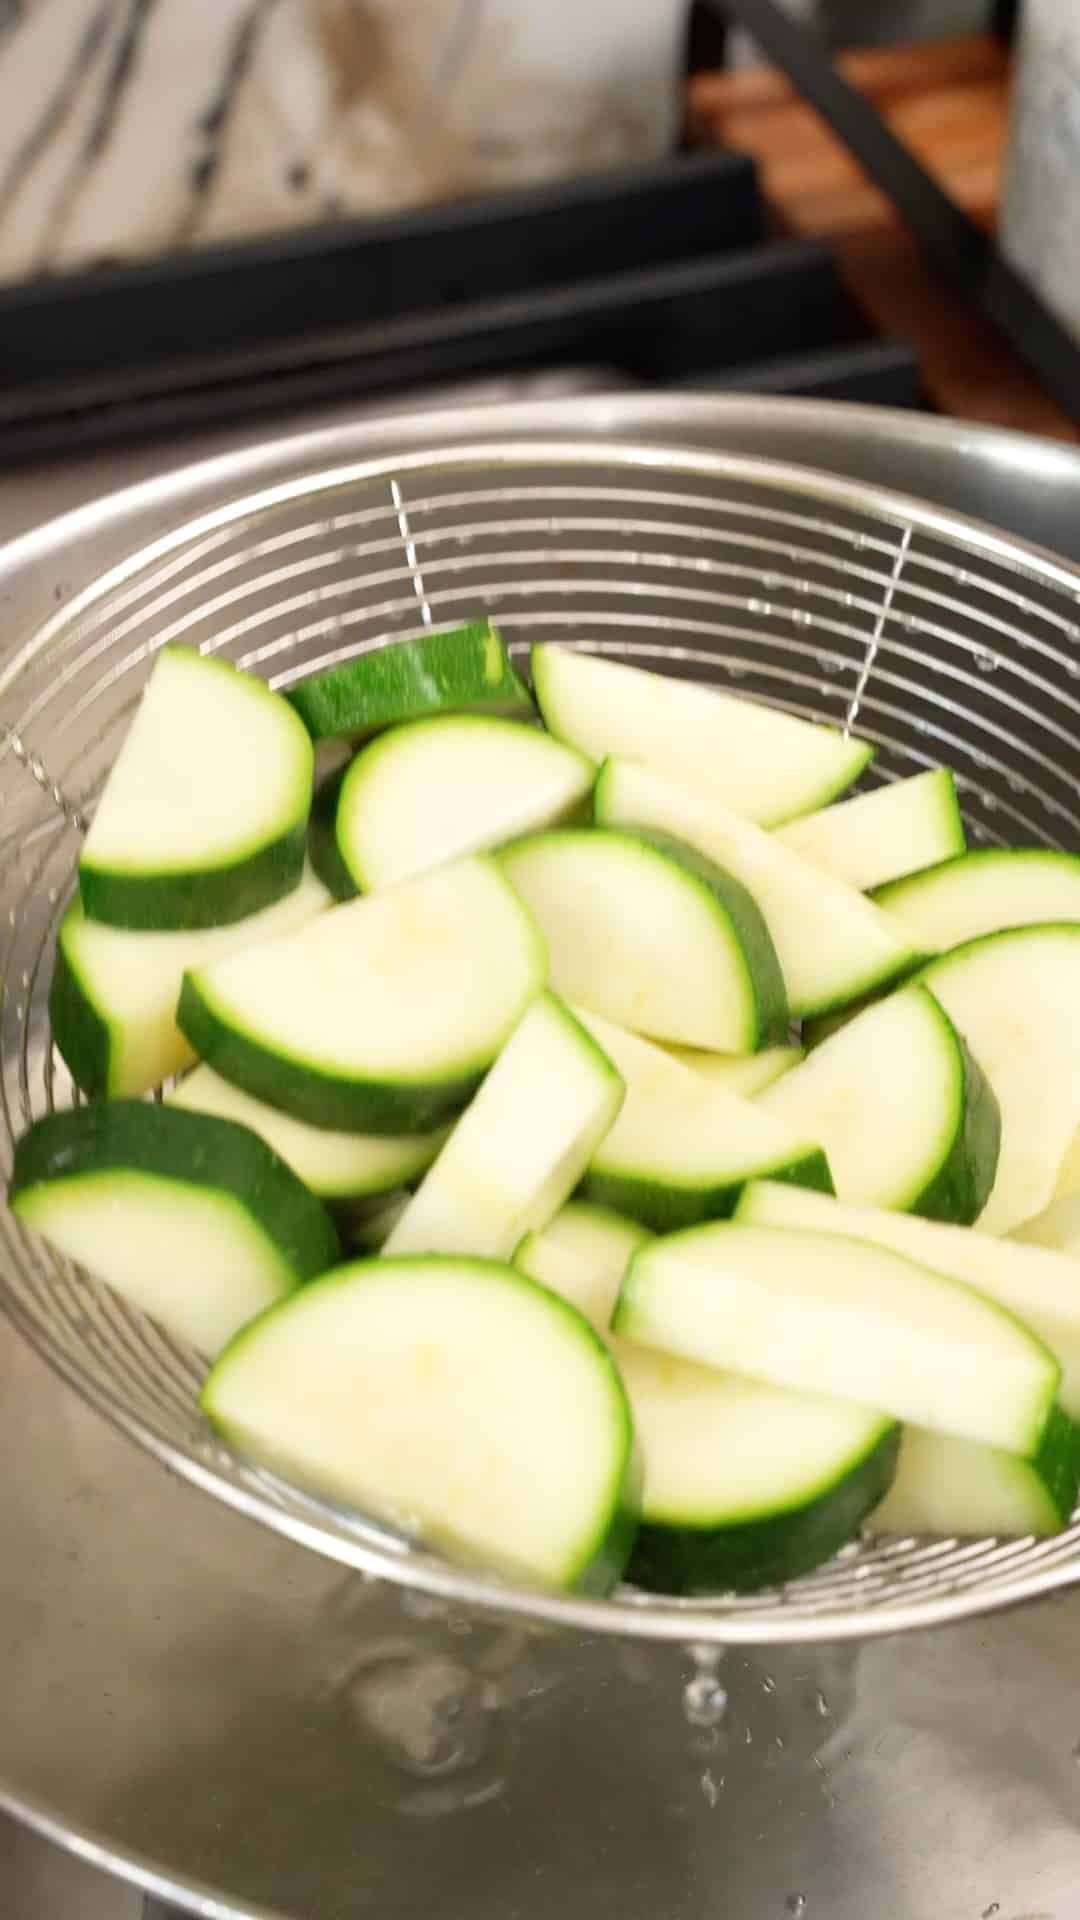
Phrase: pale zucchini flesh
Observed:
(646, 933)
(823, 1313)
(520, 1148)
(746, 1074)
(190, 1217)
(877, 837)
(114, 994)
(744, 1484)
(681, 1150)
(1015, 997)
(956, 1487)
(983, 892)
(384, 1014)
(1036, 1283)
(832, 943)
(203, 818)
(336, 1166)
(764, 765)
(441, 788)
(452, 1397)
(904, 1114)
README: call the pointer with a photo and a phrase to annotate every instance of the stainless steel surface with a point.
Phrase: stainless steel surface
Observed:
(185, 1695)
(935, 638)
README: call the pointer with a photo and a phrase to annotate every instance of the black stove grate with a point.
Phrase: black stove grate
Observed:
(664, 275)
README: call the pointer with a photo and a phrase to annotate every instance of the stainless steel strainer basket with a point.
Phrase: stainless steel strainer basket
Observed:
(939, 640)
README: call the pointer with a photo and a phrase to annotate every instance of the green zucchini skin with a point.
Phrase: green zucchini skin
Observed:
(765, 1551)
(962, 1186)
(667, 1209)
(188, 903)
(323, 1099)
(82, 1036)
(460, 669)
(323, 850)
(168, 1142)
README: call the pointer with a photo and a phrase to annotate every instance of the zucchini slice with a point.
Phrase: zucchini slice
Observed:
(879, 836)
(745, 1484)
(832, 943)
(440, 788)
(191, 1217)
(766, 766)
(1040, 1286)
(522, 1146)
(983, 892)
(950, 1486)
(203, 818)
(458, 669)
(826, 1314)
(931, 1146)
(648, 934)
(681, 1150)
(336, 1166)
(746, 1074)
(1015, 997)
(384, 1014)
(450, 1395)
(114, 994)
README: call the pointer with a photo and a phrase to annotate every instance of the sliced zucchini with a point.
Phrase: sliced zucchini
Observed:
(905, 1116)
(432, 791)
(459, 669)
(452, 1396)
(648, 934)
(203, 818)
(983, 892)
(336, 1166)
(766, 766)
(832, 943)
(681, 1150)
(1058, 1226)
(826, 1314)
(322, 843)
(113, 997)
(1039, 1286)
(1015, 997)
(192, 1218)
(951, 1486)
(369, 1231)
(582, 1255)
(744, 1484)
(522, 1146)
(877, 837)
(384, 1014)
(746, 1074)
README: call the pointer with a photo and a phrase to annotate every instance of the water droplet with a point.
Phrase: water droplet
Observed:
(859, 540)
(801, 618)
(768, 1685)
(985, 659)
(961, 577)
(989, 1912)
(989, 803)
(910, 623)
(981, 759)
(748, 1737)
(736, 670)
(24, 979)
(796, 1903)
(1016, 783)
(704, 1700)
(848, 599)
(770, 582)
(755, 606)
(920, 726)
(1072, 668)
(829, 663)
(822, 1705)
(779, 1743)
(710, 1790)
(801, 586)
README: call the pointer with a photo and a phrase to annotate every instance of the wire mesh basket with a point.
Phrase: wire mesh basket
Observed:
(938, 640)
